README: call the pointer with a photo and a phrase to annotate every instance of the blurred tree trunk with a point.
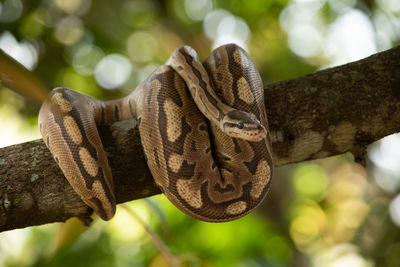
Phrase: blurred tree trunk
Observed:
(330, 112)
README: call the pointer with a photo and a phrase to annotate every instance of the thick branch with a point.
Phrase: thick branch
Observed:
(330, 112)
(338, 110)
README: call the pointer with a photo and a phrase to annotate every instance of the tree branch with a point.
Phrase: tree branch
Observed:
(330, 112)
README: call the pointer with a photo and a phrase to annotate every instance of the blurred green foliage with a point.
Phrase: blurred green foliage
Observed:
(323, 213)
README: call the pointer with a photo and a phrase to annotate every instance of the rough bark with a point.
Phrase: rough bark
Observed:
(330, 112)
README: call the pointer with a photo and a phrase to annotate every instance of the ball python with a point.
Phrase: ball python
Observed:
(203, 127)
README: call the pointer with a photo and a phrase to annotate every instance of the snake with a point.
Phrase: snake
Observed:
(203, 128)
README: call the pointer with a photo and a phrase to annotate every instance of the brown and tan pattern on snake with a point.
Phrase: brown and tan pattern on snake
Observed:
(203, 128)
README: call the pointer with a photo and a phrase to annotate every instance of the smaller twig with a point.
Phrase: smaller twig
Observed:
(173, 260)
(15, 76)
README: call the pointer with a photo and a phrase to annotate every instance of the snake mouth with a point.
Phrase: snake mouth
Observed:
(255, 136)
(254, 132)
(251, 136)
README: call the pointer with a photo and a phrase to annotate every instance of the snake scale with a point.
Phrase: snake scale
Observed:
(203, 128)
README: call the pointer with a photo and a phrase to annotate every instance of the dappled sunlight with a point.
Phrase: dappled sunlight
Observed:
(299, 21)
(394, 210)
(222, 27)
(341, 5)
(85, 58)
(69, 30)
(127, 242)
(198, 9)
(341, 255)
(308, 224)
(141, 47)
(330, 212)
(311, 181)
(79, 7)
(112, 71)
(351, 35)
(389, 5)
(387, 155)
(10, 10)
(140, 13)
(350, 182)
(347, 203)
(24, 52)
(126, 229)
(68, 77)
(15, 128)
(12, 246)
(18, 130)
(349, 38)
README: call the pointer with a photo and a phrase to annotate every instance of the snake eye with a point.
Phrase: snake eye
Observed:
(240, 125)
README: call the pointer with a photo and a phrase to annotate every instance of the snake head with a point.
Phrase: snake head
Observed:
(240, 124)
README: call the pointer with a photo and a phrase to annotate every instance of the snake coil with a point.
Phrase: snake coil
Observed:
(203, 128)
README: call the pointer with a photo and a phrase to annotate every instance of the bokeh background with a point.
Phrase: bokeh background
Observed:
(329, 212)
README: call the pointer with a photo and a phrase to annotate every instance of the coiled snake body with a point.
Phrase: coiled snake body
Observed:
(203, 128)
